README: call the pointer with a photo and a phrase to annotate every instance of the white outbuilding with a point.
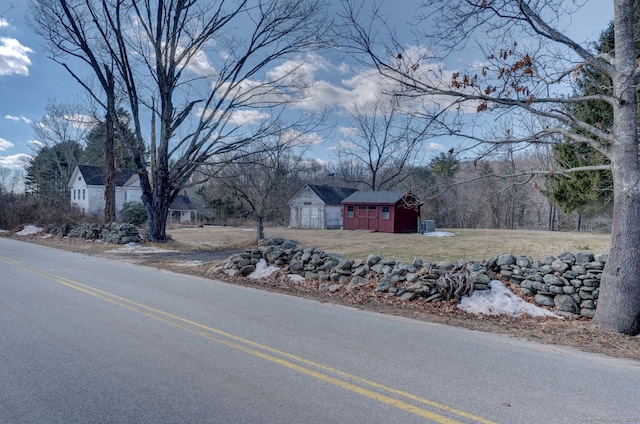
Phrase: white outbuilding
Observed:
(318, 207)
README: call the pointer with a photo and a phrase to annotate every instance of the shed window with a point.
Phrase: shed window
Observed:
(362, 207)
(385, 212)
(350, 212)
(372, 208)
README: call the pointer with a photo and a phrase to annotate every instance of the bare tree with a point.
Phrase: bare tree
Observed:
(200, 68)
(525, 68)
(68, 30)
(382, 144)
(261, 175)
(9, 180)
(60, 134)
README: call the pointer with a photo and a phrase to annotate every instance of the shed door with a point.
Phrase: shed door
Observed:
(310, 217)
(372, 218)
(367, 217)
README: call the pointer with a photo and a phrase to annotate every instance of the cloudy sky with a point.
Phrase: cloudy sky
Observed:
(29, 80)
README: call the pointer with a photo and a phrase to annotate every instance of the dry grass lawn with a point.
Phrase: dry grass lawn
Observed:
(463, 244)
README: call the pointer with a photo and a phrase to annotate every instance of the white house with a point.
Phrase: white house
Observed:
(86, 188)
(318, 207)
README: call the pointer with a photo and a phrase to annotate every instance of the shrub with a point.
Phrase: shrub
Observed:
(133, 213)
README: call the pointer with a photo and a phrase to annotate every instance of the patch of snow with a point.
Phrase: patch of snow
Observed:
(262, 270)
(501, 301)
(189, 263)
(29, 230)
(438, 234)
(296, 278)
(138, 249)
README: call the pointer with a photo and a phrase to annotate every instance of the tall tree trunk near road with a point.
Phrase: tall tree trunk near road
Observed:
(619, 301)
(109, 167)
(161, 198)
(260, 233)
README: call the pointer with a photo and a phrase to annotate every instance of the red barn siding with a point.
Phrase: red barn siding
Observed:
(370, 217)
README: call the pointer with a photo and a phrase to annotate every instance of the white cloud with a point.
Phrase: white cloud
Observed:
(5, 144)
(36, 143)
(323, 95)
(3, 23)
(348, 131)
(314, 138)
(13, 57)
(435, 146)
(305, 67)
(75, 120)
(297, 138)
(78, 120)
(345, 144)
(201, 66)
(18, 118)
(247, 117)
(14, 161)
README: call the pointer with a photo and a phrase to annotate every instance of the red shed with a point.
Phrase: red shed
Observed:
(383, 211)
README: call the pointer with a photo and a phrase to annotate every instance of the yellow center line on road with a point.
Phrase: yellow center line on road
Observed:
(293, 362)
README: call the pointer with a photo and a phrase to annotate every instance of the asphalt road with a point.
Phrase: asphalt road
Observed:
(89, 340)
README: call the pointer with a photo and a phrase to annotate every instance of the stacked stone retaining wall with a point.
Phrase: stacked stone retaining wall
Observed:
(568, 283)
(116, 233)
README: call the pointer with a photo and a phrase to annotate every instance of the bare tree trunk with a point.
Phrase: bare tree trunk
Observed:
(552, 217)
(161, 200)
(109, 168)
(260, 234)
(619, 302)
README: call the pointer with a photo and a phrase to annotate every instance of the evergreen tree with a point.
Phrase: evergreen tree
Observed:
(94, 150)
(587, 192)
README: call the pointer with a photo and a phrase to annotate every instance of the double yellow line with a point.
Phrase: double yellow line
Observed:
(362, 386)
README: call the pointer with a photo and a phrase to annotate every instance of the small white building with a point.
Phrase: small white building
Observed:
(318, 207)
(86, 188)
(182, 210)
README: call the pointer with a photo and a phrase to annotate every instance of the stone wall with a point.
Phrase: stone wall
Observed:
(409, 281)
(569, 283)
(111, 233)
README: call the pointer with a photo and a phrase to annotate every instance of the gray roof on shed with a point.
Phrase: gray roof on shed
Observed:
(331, 195)
(375, 197)
(93, 175)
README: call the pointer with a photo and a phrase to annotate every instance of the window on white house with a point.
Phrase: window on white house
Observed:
(125, 196)
(83, 193)
(74, 194)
